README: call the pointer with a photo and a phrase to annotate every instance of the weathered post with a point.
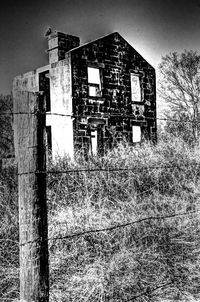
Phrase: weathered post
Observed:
(29, 128)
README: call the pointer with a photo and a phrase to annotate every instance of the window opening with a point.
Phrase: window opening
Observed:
(136, 134)
(49, 138)
(135, 88)
(94, 82)
(44, 85)
(94, 142)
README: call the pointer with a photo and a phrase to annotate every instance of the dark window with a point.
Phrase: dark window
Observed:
(44, 85)
(49, 138)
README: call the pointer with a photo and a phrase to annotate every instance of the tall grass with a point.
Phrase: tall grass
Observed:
(151, 259)
(9, 249)
(133, 258)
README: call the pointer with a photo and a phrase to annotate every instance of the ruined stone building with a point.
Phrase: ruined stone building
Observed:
(96, 94)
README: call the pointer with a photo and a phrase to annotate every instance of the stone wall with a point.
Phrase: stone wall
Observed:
(115, 110)
(60, 119)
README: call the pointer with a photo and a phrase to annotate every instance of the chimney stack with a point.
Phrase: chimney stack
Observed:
(59, 43)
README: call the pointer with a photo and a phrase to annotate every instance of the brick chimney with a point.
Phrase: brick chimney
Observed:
(59, 43)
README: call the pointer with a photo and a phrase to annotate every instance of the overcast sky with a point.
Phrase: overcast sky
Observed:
(152, 27)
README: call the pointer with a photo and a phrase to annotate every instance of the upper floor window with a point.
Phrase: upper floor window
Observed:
(94, 82)
(44, 85)
(135, 88)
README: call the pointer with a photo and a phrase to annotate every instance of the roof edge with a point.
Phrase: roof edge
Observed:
(102, 37)
(92, 41)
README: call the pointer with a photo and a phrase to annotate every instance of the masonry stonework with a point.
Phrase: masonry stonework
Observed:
(81, 115)
(115, 112)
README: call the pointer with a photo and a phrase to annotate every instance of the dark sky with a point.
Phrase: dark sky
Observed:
(152, 27)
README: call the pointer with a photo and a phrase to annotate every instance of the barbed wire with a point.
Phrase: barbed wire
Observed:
(103, 115)
(8, 240)
(108, 229)
(112, 228)
(8, 299)
(110, 170)
(124, 225)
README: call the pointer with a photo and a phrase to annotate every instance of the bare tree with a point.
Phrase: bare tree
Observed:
(180, 88)
(6, 131)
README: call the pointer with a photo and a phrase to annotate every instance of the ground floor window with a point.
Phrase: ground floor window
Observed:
(94, 142)
(136, 134)
(49, 138)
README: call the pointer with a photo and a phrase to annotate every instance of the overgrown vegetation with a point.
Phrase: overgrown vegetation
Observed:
(9, 236)
(133, 258)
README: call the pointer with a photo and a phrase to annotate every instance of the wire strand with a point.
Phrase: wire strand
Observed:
(104, 115)
(135, 169)
(81, 234)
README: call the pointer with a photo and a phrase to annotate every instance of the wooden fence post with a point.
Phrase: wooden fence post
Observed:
(30, 145)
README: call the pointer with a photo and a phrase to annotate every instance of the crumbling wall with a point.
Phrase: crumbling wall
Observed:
(60, 119)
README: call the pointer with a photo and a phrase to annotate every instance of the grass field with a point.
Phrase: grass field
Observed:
(134, 213)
